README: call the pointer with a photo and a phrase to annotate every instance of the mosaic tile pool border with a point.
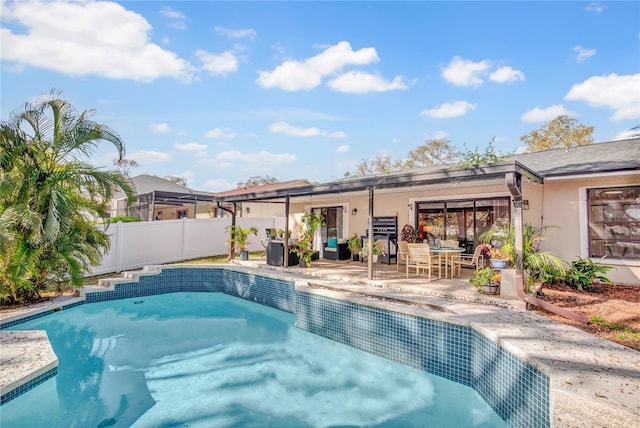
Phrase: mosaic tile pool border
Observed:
(28, 386)
(516, 391)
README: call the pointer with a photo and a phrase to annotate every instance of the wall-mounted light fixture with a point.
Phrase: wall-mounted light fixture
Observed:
(354, 211)
(525, 204)
(248, 209)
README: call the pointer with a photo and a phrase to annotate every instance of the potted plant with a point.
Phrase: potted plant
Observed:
(534, 262)
(486, 280)
(239, 237)
(355, 246)
(304, 248)
(378, 250)
(309, 223)
(498, 258)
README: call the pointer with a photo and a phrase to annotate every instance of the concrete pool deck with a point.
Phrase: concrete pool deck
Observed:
(593, 382)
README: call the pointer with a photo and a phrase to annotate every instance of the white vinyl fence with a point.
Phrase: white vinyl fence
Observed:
(134, 245)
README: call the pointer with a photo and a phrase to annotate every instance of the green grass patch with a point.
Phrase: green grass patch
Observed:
(611, 326)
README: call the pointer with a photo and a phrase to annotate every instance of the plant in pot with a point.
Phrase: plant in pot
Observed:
(378, 250)
(309, 223)
(498, 258)
(355, 246)
(239, 238)
(304, 248)
(534, 262)
(486, 280)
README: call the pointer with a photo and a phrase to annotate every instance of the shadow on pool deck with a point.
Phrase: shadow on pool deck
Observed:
(352, 276)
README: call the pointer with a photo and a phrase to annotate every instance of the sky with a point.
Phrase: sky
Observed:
(218, 92)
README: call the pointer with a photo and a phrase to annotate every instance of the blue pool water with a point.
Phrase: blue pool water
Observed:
(211, 360)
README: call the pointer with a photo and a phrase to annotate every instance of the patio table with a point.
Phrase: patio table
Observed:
(445, 254)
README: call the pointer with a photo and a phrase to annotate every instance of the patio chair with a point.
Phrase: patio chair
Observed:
(472, 261)
(420, 258)
(403, 254)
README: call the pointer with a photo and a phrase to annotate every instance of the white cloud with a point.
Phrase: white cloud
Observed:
(439, 135)
(144, 157)
(261, 161)
(463, 72)
(177, 19)
(199, 149)
(223, 63)
(87, 38)
(293, 75)
(506, 75)
(221, 133)
(218, 185)
(159, 128)
(343, 148)
(338, 134)
(546, 114)
(583, 53)
(620, 93)
(246, 33)
(595, 7)
(287, 129)
(360, 82)
(448, 110)
(395, 140)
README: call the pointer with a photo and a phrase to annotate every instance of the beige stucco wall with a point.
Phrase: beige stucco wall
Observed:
(565, 208)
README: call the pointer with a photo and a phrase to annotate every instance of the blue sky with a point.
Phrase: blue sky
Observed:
(217, 92)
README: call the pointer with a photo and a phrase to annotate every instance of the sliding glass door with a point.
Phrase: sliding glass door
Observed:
(463, 220)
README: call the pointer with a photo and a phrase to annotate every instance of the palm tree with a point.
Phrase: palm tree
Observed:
(50, 193)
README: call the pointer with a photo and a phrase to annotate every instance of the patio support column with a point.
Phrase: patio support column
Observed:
(514, 184)
(370, 235)
(153, 206)
(286, 232)
(232, 246)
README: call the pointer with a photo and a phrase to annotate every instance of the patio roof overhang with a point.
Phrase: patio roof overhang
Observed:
(393, 181)
(180, 199)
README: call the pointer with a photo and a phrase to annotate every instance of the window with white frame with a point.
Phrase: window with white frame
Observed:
(614, 222)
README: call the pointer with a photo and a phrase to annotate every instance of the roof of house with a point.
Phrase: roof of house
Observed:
(267, 187)
(612, 156)
(143, 184)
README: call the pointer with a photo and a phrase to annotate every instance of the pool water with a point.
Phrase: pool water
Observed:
(211, 360)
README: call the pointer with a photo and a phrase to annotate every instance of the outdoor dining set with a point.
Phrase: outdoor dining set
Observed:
(444, 261)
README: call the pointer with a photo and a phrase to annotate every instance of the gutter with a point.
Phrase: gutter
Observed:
(513, 182)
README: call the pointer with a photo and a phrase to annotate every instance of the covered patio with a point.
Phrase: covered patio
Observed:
(388, 283)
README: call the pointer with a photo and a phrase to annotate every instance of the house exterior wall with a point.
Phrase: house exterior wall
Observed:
(560, 204)
(565, 208)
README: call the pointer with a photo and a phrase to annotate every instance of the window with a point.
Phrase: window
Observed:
(614, 222)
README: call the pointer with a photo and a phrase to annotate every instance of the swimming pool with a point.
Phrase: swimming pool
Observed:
(208, 359)
(515, 390)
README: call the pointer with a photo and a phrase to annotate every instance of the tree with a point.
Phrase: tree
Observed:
(475, 158)
(180, 181)
(125, 166)
(381, 164)
(563, 131)
(432, 152)
(256, 181)
(48, 195)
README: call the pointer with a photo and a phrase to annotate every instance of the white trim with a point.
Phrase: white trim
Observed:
(595, 175)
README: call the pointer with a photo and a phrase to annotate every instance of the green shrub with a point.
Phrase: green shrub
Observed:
(124, 219)
(584, 272)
